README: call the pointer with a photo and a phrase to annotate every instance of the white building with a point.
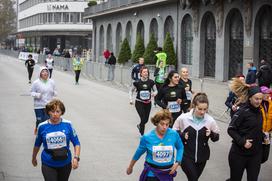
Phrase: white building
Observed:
(53, 24)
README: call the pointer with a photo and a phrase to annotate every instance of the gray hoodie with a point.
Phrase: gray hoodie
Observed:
(43, 91)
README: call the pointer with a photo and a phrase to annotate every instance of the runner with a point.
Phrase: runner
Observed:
(77, 63)
(43, 90)
(196, 128)
(266, 110)
(135, 73)
(245, 130)
(49, 63)
(185, 82)
(55, 134)
(145, 89)
(30, 63)
(160, 145)
(172, 95)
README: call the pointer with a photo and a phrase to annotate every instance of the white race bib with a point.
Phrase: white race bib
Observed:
(162, 154)
(189, 95)
(56, 140)
(173, 106)
(144, 95)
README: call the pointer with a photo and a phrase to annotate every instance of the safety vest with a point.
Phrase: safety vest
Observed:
(267, 117)
(161, 56)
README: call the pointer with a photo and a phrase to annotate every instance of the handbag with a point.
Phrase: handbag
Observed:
(265, 152)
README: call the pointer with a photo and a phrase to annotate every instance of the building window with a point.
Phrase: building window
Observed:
(57, 17)
(187, 40)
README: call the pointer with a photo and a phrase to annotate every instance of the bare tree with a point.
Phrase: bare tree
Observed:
(7, 18)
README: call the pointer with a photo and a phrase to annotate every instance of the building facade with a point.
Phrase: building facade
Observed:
(213, 38)
(53, 24)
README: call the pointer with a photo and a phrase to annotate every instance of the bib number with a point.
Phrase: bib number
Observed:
(173, 107)
(56, 140)
(144, 95)
(189, 95)
(162, 154)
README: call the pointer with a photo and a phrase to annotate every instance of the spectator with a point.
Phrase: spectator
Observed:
(251, 74)
(264, 74)
(106, 55)
(111, 67)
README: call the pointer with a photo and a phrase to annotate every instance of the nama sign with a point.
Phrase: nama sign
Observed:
(57, 7)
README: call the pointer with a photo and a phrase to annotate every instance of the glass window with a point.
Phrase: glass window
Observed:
(57, 17)
(65, 17)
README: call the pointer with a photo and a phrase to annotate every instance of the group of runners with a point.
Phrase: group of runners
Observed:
(184, 120)
(52, 131)
(182, 130)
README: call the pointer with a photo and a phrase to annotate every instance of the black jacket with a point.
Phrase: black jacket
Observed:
(29, 63)
(112, 60)
(246, 124)
(264, 75)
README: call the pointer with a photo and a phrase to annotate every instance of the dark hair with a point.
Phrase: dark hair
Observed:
(52, 105)
(143, 68)
(251, 64)
(169, 76)
(200, 97)
(163, 114)
(30, 56)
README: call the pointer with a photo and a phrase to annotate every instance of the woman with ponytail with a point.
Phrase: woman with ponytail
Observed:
(196, 128)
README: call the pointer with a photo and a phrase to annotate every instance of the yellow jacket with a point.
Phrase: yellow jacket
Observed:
(78, 63)
(267, 117)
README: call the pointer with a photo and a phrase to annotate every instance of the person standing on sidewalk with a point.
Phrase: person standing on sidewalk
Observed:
(42, 90)
(245, 129)
(30, 63)
(172, 96)
(77, 63)
(56, 134)
(111, 67)
(164, 150)
(106, 55)
(49, 63)
(196, 128)
(145, 89)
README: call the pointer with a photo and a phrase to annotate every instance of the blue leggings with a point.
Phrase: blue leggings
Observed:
(41, 116)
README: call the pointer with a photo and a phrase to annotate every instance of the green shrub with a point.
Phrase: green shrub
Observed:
(92, 3)
(139, 48)
(125, 52)
(149, 51)
(168, 48)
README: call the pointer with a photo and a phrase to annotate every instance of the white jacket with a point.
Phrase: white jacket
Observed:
(43, 91)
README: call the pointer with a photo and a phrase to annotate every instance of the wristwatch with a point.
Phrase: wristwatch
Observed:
(77, 158)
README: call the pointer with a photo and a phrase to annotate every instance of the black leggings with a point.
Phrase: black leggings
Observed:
(77, 75)
(143, 111)
(238, 163)
(191, 169)
(50, 72)
(56, 173)
(30, 72)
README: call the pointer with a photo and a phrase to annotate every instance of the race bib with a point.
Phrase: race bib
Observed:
(189, 95)
(173, 106)
(162, 154)
(144, 95)
(56, 140)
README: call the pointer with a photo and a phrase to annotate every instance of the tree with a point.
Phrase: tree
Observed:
(92, 3)
(149, 51)
(139, 48)
(7, 18)
(168, 48)
(125, 52)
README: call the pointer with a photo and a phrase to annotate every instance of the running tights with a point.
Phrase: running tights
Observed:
(191, 169)
(56, 173)
(143, 111)
(238, 163)
(30, 72)
(77, 72)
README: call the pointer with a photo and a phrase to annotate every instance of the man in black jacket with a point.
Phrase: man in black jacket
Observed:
(264, 75)
(111, 67)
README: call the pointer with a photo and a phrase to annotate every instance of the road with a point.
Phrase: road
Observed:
(105, 123)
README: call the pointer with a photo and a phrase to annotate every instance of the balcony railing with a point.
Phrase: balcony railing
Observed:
(112, 4)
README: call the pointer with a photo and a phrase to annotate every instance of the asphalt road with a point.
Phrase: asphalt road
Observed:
(105, 123)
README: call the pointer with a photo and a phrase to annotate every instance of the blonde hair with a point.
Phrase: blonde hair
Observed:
(240, 89)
